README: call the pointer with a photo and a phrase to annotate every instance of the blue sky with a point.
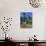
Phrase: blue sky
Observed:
(26, 14)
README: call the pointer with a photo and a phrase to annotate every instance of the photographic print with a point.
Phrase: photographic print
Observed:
(26, 19)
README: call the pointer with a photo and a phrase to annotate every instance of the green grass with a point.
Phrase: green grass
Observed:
(28, 22)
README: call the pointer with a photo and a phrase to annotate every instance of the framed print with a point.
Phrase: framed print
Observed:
(26, 19)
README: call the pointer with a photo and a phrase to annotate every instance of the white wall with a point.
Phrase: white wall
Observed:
(12, 8)
(45, 28)
(39, 23)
